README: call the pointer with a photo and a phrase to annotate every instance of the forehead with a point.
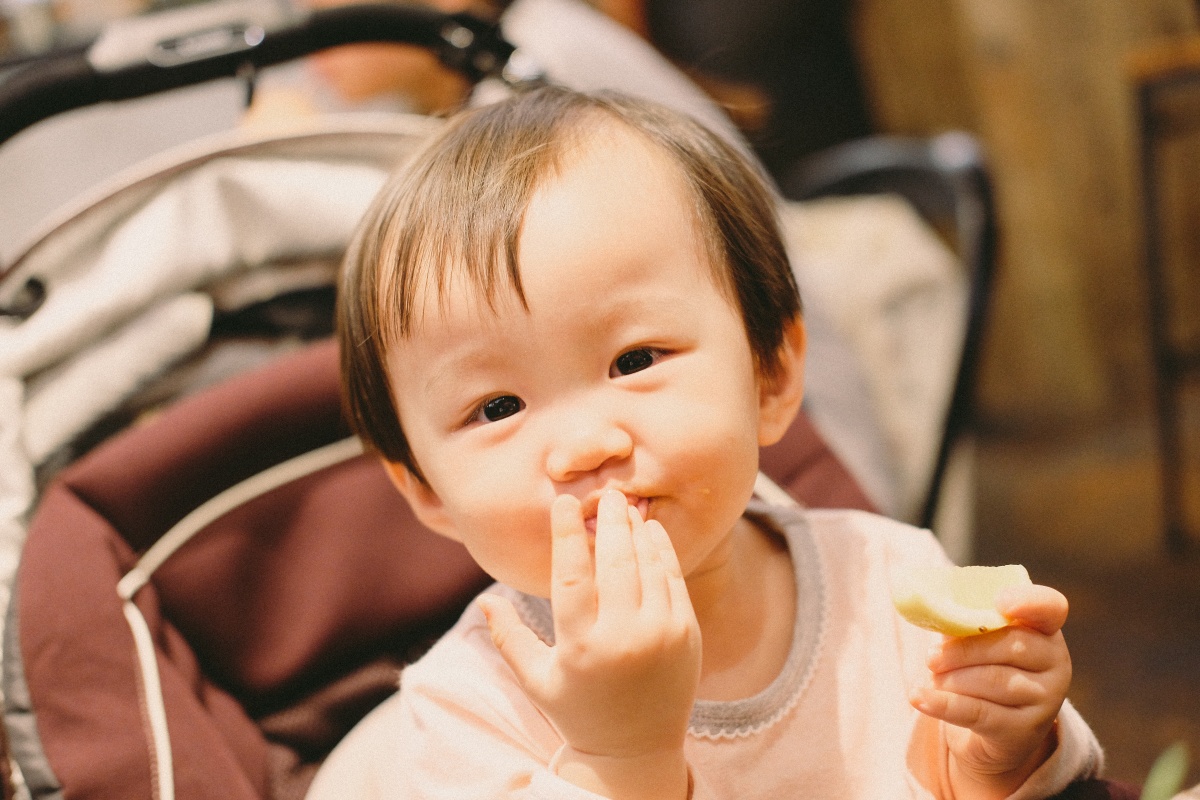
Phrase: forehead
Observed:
(604, 179)
(610, 183)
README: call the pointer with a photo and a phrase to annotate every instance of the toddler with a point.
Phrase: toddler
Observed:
(567, 328)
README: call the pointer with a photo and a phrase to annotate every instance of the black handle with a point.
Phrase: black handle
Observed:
(172, 49)
(41, 90)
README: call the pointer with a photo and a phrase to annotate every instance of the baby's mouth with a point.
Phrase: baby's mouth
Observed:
(642, 504)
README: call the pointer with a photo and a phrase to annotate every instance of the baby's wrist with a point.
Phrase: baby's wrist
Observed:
(661, 774)
(968, 784)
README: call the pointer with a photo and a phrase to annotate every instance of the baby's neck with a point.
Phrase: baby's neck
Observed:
(746, 609)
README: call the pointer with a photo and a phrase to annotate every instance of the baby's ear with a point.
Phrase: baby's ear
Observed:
(779, 397)
(421, 497)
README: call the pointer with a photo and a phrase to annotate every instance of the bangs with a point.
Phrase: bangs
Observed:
(454, 220)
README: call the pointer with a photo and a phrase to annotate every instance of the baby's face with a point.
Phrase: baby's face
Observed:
(629, 370)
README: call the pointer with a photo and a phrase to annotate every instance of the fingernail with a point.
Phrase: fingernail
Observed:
(485, 605)
(613, 500)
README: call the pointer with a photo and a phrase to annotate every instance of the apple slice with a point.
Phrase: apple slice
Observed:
(956, 601)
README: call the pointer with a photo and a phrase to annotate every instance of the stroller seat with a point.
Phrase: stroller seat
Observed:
(324, 580)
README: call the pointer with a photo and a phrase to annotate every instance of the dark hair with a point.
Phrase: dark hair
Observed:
(459, 205)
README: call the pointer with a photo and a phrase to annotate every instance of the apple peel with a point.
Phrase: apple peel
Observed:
(955, 601)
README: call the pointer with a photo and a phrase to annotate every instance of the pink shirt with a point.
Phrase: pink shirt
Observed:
(834, 724)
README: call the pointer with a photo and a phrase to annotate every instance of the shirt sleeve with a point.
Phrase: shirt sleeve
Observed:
(459, 727)
(1077, 756)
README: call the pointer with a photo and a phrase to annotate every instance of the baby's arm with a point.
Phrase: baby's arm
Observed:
(1001, 693)
(620, 681)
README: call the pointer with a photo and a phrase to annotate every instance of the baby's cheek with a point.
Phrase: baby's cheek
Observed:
(712, 444)
(510, 540)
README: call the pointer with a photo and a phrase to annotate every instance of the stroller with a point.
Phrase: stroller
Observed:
(215, 583)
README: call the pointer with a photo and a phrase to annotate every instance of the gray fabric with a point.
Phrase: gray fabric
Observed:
(24, 743)
(59, 159)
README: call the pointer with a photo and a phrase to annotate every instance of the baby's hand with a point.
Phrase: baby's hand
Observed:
(1000, 692)
(621, 679)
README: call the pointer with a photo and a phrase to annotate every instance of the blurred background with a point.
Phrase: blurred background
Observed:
(1081, 359)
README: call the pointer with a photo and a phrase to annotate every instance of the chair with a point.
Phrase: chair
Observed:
(946, 180)
(1166, 81)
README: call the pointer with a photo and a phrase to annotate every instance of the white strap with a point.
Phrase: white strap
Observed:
(162, 767)
(228, 500)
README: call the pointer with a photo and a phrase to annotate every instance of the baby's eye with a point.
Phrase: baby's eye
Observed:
(635, 361)
(498, 408)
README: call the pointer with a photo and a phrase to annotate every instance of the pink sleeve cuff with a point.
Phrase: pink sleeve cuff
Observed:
(1077, 756)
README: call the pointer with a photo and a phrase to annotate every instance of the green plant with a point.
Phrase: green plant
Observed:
(1167, 773)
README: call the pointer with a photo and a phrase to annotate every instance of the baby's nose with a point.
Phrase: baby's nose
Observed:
(586, 445)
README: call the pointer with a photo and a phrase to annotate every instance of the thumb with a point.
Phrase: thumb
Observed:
(520, 647)
(1038, 607)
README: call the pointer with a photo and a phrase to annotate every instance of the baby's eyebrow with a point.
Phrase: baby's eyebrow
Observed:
(445, 372)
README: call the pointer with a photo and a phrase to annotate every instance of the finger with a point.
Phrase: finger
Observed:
(1038, 607)
(655, 594)
(617, 582)
(1012, 646)
(572, 576)
(1004, 686)
(681, 601)
(980, 716)
(527, 655)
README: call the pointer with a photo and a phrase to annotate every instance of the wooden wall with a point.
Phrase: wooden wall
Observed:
(1044, 84)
